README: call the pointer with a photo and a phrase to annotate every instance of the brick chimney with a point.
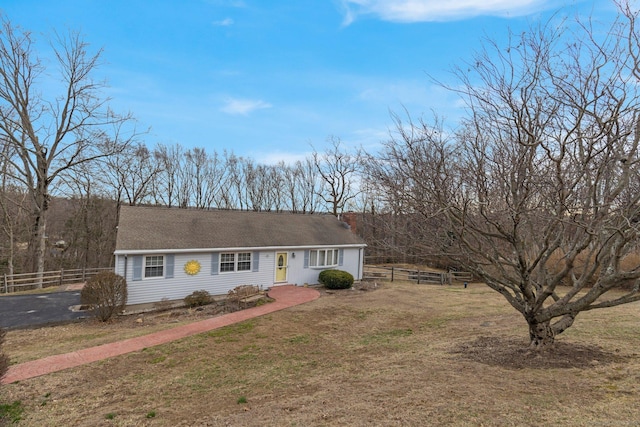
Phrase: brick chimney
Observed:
(351, 219)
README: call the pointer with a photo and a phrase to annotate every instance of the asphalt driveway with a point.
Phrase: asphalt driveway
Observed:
(24, 311)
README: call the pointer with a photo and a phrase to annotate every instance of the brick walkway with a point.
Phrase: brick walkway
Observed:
(285, 297)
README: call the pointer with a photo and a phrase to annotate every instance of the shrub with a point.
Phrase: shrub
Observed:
(335, 279)
(106, 294)
(198, 298)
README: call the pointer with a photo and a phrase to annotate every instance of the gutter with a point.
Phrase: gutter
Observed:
(233, 249)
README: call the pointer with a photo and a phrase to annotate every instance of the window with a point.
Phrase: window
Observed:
(235, 262)
(323, 258)
(244, 261)
(227, 262)
(154, 266)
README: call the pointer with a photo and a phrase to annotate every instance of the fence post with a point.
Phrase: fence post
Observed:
(84, 272)
(392, 273)
(6, 284)
(61, 276)
(418, 277)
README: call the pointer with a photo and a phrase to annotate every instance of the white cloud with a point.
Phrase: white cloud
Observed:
(438, 10)
(243, 106)
(224, 23)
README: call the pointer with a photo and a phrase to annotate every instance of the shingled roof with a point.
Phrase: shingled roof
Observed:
(157, 228)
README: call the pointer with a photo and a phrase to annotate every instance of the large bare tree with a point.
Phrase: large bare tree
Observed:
(53, 124)
(537, 189)
(338, 170)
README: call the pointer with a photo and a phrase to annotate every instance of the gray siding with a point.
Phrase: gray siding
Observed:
(181, 284)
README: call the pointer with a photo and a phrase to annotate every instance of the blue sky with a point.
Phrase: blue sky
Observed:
(269, 78)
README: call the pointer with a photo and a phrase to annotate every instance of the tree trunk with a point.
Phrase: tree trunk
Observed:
(541, 334)
(40, 248)
(40, 232)
(10, 262)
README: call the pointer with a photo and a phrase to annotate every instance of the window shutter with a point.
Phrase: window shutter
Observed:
(341, 257)
(255, 260)
(168, 272)
(306, 259)
(137, 267)
(214, 263)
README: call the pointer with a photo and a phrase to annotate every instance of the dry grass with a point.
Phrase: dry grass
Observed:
(401, 355)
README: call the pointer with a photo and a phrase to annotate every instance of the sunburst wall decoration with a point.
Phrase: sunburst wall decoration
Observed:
(192, 267)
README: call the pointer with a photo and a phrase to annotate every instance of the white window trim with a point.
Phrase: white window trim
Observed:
(144, 267)
(334, 257)
(235, 262)
(244, 261)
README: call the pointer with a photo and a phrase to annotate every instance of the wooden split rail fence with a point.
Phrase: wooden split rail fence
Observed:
(418, 276)
(28, 281)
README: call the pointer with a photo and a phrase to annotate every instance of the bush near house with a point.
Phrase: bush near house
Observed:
(335, 279)
(198, 298)
(106, 294)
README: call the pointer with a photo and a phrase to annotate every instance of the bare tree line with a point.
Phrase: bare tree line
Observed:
(88, 195)
(174, 176)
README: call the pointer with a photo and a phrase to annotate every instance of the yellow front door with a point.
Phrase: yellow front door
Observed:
(281, 267)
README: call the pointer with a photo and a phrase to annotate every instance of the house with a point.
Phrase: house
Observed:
(168, 253)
